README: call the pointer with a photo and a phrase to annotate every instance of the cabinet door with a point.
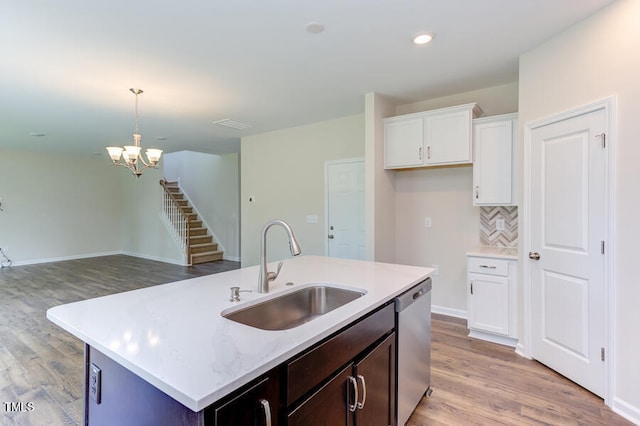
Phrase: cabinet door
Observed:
(489, 303)
(375, 375)
(329, 405)
(256, 406)
(403, 142)
(448, 138)
(493, 162)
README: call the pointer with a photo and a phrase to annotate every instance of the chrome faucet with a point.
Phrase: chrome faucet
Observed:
(266, 276)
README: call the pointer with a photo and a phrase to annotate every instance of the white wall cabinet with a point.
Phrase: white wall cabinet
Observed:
(492, 299)
(403, 142)
(493, 160)
(431, 138)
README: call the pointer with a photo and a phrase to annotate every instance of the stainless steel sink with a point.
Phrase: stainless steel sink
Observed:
(294, 309)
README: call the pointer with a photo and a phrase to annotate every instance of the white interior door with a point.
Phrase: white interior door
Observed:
(568, 229)
(345, 209)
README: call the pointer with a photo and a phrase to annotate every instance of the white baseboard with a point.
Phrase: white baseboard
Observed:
(156, 258)
(520, 350)
(62, 258)
(110, 253)
(450, 312)
(232, 258)
(494, 338)
(626, 410)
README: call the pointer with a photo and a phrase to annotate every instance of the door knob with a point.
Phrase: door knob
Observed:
(534, 255)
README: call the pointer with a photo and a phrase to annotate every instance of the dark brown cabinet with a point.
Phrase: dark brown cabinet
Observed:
(378, 368)
(357, 369)
(363, 393)
(255, 405)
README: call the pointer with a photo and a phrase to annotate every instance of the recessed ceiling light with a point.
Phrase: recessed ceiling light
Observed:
(315, 27)
(161, 138)
(422, 38)
(36, 134)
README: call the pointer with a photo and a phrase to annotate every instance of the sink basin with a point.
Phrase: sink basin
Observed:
(294, 309)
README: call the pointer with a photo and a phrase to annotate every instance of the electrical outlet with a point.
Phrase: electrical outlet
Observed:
(95, 383)
(427, 222)
(437, 270)
(500, 224)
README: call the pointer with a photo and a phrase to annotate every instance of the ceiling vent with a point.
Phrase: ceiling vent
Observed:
(227, 122)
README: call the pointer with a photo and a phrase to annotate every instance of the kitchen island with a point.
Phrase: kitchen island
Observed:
(175, 339)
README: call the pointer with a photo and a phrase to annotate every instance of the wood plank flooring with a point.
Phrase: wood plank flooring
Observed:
(475, 382)
(41, 365)
(480, 383)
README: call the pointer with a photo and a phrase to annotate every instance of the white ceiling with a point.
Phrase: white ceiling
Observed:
(66, 66)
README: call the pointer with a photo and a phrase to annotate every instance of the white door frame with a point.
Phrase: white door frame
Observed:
(326, 195)
(524, 346)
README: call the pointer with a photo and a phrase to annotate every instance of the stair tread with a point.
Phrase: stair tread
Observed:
(202, 245)
(206, 253)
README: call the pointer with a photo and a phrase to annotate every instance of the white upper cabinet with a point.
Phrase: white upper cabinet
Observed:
(403, 142)
(493, 160)
(431, 138)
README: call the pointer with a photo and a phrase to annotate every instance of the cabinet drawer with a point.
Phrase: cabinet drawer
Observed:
(488, 265)
(311, 368)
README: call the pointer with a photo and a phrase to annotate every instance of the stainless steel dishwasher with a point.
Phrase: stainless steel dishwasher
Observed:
(413, 333)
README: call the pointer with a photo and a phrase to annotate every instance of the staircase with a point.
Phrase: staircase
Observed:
(198, 243)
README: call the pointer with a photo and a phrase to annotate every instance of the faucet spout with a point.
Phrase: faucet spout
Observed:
(266, 276)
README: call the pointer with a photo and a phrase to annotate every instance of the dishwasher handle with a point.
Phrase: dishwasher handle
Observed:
(412, 295)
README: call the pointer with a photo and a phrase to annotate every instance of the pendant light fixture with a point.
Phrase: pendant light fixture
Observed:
(129, 156)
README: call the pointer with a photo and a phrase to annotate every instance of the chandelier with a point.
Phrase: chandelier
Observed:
(129, 155)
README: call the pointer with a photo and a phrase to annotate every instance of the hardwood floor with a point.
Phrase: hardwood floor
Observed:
(41, 365)
(41, 373)
(480, 383)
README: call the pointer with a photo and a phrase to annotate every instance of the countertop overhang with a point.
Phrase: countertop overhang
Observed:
(495, 252)
(173, 335)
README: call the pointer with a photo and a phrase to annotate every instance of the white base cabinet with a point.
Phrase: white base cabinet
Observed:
(492, 299)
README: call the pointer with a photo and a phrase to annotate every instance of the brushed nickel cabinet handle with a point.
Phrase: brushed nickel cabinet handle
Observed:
(364, 392)
(267, 411)
(352, 407)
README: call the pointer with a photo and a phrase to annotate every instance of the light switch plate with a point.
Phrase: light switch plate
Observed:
(427, 222)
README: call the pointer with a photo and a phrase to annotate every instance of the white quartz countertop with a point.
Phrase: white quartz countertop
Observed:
(173, 335)
(495, 252)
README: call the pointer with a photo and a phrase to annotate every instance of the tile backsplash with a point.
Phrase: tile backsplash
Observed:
(489, 235)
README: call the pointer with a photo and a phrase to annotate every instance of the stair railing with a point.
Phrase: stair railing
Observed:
(177, 217)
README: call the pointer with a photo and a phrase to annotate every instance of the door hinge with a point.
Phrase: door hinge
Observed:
(471, 287)
(602, 354)
(603, 139)
(602, 247)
